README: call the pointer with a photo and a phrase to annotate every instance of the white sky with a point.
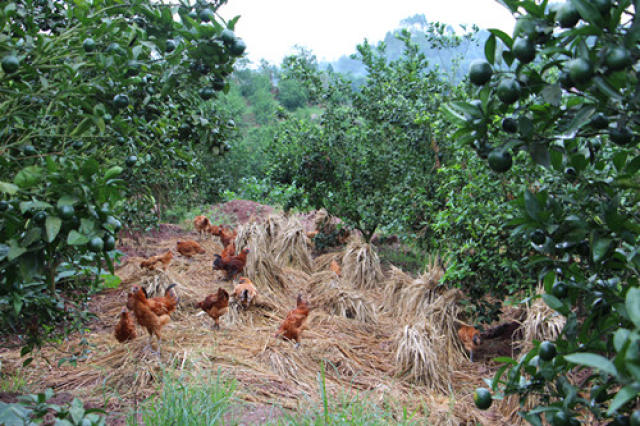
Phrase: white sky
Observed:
(332, 28)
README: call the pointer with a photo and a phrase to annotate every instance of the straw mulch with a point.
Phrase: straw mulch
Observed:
(391, 336)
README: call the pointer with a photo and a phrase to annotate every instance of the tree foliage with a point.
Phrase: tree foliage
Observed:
(575, 111)
(103, 112)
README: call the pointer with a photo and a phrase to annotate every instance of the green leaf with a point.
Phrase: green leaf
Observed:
(582, 117)
(600, 248)
(556, 160)
(532, 205)
(26, 206)
(607, 89)
(552, 94)
(620, 337)
(8, 188)
(111, 281)
(112, 172)
(28, 177)
(506, 39)
(588, 12)
(594, 361)
(490, 49)
(81, 128)
(52, 227)
(633, 305)
(540, 154)
(623, 396)
(15, 250)
(75, 238)
(67, 200)
(4, 251)
(553, 302)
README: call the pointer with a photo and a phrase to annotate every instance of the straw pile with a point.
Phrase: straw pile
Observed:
(361, 266)
(403, 355)
(540, 323)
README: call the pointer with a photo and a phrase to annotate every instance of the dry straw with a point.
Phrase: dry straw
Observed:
(361, 266)
(540, 323)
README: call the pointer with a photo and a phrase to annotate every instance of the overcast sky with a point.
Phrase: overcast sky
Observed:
(331, 28)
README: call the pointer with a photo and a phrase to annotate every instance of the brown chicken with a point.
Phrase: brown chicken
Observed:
(125, 329)
(227, 236)
(232, 265)
(201, 224)
(215, 305)
(312, 234)
(152, 314)
(295, 322)
(335, 267)
(471, 339)
(151, 262)
(189, 248)
(245, 292)
(213, 230)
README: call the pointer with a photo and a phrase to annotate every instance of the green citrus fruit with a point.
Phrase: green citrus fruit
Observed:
(508, 90)
(621, 135)
(482, 398)
(40, 217)
(601, 306)
(131, 160)
(121, 100)
(227, 36)
(524, 49)
(170, 46)
(538, 236)
(635, 418)
(89, 45)
(218, 84)
(547, 351)
(480, 72)
(192, 14)
(206, 15)
(29, 150)
(10, 64)
(96, 244)
(600, 121)
(115, 48)
(618, 59)
(500, 160)
(237, 48)
(560, 418)
(66, 212)
(231, 123)
(560, 290)
(107, 118)
(580, 70)
(206, 93)
(4, 206)
(77, 144)
(509, 125)
(603, 6)
(121, 140)
(109, 243)
(570, 172)
(115, 223)
(568, 15)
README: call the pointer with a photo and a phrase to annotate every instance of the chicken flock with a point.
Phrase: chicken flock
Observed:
(154, 313)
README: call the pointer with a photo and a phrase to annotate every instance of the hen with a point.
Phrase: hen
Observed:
(227, 236)
(215, 305)
(295, 322)
(189, 248)
(152, 314)
(151, 262)
(471, 339)
(232, 265)
(201, 224)
(335, 267)
(125, 329)
(245, 292)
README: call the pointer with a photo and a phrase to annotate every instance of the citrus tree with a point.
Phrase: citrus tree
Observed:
(564, 89)
(105, 106)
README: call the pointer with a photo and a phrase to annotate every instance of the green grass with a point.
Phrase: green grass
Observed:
(15, 382)
(182, 402)
(405, 257)
(184, 216)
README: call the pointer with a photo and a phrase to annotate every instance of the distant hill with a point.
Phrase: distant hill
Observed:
(442, 57)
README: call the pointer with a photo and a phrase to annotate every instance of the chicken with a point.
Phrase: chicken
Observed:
(335, 267)
(125, 329)
(152, 314)
(215, 305)
(312, 234)
(189, 248)
(232, 265)
(245, 292)
(213, 230)
(151, 262)
(161, 305)
(295, 322)
(471, 339)
(201, 224)
(227, 235)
